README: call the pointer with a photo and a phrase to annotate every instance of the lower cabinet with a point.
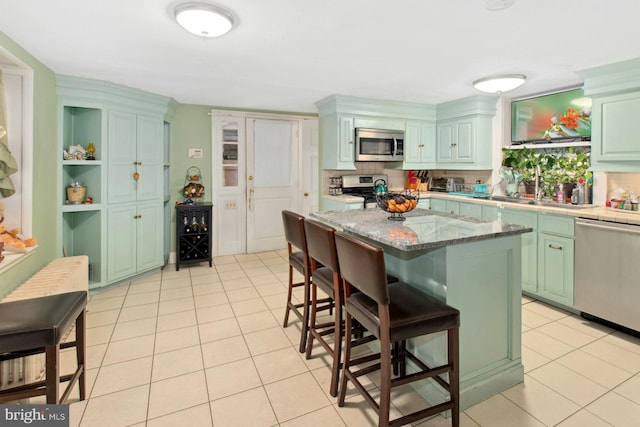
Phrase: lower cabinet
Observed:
(134, 239)
(555, 268)
(529, 245)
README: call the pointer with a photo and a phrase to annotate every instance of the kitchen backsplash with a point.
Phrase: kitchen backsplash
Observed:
(627, 181)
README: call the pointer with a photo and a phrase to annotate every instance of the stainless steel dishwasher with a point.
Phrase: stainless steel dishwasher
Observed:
(608, 271)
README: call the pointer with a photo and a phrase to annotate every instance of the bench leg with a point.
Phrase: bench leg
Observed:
(81, 335)
(52, 374)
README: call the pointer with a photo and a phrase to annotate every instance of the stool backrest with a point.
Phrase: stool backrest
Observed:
(362, 266)
(294, 230)
(321, 243)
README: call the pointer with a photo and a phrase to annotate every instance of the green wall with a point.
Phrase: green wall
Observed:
(44, 169)
(190, 128)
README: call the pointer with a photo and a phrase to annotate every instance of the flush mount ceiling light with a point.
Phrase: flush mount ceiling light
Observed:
(498, 4)
(203, 19)
(499, 84)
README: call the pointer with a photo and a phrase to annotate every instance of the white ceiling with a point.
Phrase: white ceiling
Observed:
(286, 54)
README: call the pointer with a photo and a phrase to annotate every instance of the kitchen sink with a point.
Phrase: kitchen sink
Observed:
(527, 201)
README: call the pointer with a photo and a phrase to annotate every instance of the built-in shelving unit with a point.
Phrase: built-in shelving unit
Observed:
(82, 222)
(550, 145)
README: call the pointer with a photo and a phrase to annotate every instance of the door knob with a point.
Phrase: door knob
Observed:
(250, 178)
(306, 194)
(136, 176)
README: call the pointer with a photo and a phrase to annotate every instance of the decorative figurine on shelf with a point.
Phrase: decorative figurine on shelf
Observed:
(89, 200)
(91, 149)
(77, 152)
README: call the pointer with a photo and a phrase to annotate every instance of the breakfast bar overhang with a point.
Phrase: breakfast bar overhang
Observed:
(470, 264)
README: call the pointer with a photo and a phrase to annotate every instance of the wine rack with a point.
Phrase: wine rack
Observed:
(193, 234)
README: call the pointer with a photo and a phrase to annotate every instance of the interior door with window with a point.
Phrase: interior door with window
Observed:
(272, 171)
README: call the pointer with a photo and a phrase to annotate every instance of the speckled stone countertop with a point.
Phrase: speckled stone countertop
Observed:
(422, 229)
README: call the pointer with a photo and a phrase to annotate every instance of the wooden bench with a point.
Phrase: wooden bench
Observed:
(60, 275)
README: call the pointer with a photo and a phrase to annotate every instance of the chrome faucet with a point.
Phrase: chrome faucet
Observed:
(538, 190)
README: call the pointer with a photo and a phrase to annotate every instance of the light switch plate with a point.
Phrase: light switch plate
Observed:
(195, 153)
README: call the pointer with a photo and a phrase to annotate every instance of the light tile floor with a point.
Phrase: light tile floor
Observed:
(205, 347)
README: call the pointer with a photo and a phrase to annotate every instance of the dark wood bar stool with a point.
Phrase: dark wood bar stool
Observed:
(299, 260)
(393, 313)
(38, 325)
(326, 276)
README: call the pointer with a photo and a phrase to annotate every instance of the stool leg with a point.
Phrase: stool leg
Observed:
(385, 370)
(289, 292)
(337, 343)
(52, 379)
(81, 335)
(453, 352)
(305, 314)
(346, 359)
(312, 319)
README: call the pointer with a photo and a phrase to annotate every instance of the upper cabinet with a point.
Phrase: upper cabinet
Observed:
(419, 145)
(135, 157)
(465, 133)
(460, 138)
(615, 93)
(340, 115)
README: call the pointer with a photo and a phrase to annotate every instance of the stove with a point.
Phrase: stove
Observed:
(362, 186)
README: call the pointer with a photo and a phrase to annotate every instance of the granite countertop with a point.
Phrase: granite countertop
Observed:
(422, 229)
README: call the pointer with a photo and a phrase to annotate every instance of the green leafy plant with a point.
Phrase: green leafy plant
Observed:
(557, 165)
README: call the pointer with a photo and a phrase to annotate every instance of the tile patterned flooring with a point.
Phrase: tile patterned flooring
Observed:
(205, 347)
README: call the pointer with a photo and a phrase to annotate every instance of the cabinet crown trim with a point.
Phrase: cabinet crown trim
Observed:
(470, 106)
(612, 78)
(375, 108)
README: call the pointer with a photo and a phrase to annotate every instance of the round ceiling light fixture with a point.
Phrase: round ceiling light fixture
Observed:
(203, 19)
(499, 84)
(494, 5)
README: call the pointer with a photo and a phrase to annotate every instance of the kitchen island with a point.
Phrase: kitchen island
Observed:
(472, 265)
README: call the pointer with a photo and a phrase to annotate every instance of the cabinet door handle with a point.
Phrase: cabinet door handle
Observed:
(555, 247)
(137, 216)
(453, 145)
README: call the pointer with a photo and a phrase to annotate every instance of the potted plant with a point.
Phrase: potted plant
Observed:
(525, 161)
(563, 170)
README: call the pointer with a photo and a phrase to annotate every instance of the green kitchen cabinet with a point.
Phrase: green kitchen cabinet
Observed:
(122, 230)
(439, 205)
(134, 239)
(456, 141)
(419, 145)
(335, 204)
(614, 90)
(490, 212)
(464, 133)
(614, 145)
(338, 147)
(450, 206)
(529, 245)
(556, 258)
(379, 123)
(555, 268)
(472, 210)
(424, 203)
(135, 157)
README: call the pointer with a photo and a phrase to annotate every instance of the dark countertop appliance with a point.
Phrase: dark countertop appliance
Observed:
(362, 186)
(446, 185)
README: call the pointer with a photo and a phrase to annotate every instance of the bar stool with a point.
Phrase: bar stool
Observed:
(393, 313)
(325, 274)
(321, 245)
(38, 325)
(299, 260)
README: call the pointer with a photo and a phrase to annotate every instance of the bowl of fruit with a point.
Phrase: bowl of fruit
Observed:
(397, 204)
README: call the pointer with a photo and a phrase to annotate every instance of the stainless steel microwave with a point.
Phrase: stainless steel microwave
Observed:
(378, 145)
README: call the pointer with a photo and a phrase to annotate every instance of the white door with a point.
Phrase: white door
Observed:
(272, 184)
(310, 169)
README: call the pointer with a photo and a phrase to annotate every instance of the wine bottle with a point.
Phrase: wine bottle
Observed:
(203, 225)
(194, 225)
(187, 227)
